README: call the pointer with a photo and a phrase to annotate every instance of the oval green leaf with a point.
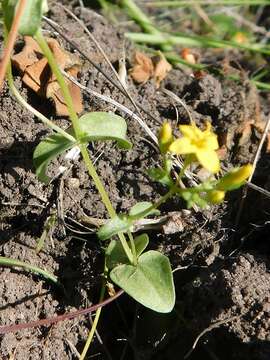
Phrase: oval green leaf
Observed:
(150, 282)
(104, 126)
(141, 207)
(47, 150)
(114, 226)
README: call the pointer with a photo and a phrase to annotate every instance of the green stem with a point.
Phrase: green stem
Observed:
(205, 2)
(156, 205)
(13, 262)
(187, 162)
(104, 197)
(40, 116)
(61, 81)
(94, 326)
(194, 41)
(142, 19)
(76, 126)
(133, 248)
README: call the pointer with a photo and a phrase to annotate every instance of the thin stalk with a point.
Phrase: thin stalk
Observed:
(17, 263)
(193, 41)
(11, 40)
(141, 19)
(156, 205)
(40, 116)
(205, 2)
(76, 126)
(61, 81)
(94, 326)
(104, 197)
(133, 248)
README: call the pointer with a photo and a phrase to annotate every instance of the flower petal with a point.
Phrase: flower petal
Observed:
(209, 160)
(211, 142)
(182, 146)
(191, 131)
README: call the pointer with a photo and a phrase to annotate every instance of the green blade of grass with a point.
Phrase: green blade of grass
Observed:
(4, 261)
(194, 41)
(205, 2)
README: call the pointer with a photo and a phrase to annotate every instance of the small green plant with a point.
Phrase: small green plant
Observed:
(144, 275)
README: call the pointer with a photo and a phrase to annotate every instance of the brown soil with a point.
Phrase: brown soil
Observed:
(224, 275)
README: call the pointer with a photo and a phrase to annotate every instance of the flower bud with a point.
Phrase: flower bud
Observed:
(215, 196)
(165, 137)
(235, 178)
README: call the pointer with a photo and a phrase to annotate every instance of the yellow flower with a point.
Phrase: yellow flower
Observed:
(200, 143)
(235, 178)
(165, 137)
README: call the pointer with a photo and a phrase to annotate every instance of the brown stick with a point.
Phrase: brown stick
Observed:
(46, 322)
(11, 40)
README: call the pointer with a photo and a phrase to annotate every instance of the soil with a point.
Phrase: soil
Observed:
(222, 278)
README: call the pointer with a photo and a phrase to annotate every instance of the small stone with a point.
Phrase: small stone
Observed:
(73, 183)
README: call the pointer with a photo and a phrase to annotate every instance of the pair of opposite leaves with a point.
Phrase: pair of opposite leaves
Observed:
(38, 76)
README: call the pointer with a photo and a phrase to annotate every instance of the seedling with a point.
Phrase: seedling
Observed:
(144, 275)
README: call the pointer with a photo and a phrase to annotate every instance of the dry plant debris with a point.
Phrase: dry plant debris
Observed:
(188, 56)
(37, 76)
(143, 69)
(146, 68)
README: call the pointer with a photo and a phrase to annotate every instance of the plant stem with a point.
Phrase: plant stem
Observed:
(205, 2)
(40, 116)
(76, 126)
(13, 262)
(61, 81)
(194, 41)
(156, 205)
(133, 248)
(11, 40)
(104, 197)
(142, 19)
(94, 326)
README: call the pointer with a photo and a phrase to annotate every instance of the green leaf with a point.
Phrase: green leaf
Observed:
(46, 151)
(141, 207)
(115, 254)
(150, 282)
(94, 126)
(114, 226)
(141, 243)
(161, 176)
(104, 126)
(31, 19)
(194, 199)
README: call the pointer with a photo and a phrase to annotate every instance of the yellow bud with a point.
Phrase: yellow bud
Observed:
(216, 196)
(165, 137)
(235, 178)
(240, 38)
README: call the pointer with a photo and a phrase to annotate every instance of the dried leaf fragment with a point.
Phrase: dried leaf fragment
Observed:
(161, 69)
(143, 69)
(37, 74)
(188, 56)
(30, 54)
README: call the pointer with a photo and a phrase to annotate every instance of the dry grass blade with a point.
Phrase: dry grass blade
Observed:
(255, 162)
(210, 328)
(180, 101)
(56, 27)
(122, 86)
(116, 104)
